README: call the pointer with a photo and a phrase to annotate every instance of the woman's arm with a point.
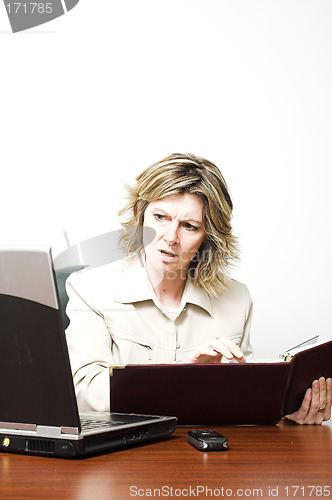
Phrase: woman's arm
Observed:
(90, 351)
(212, 350)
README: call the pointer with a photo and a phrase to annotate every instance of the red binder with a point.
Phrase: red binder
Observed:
(220, 394)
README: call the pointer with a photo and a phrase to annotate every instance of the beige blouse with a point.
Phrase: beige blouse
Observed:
(115, 318)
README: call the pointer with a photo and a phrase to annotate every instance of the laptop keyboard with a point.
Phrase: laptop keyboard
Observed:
(88, 425)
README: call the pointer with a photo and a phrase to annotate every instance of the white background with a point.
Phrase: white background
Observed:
(90, 99)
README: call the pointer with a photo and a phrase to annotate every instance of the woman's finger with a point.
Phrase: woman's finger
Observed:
(322, 394)
(328, 401)
(229, 349)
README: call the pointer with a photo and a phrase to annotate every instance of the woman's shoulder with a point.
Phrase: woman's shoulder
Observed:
(238, 286)
(234, 300)
(101, 280)
(106, 277)
(235, 291)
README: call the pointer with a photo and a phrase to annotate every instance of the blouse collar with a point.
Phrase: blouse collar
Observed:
(136, 287)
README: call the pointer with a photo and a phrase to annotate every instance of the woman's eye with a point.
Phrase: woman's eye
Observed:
(159, 217)
(190, 227)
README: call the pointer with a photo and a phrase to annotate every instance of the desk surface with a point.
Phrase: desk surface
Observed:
(262, 462)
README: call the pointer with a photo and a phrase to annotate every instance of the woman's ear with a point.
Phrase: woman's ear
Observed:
(205, 241)
(137, 207)
(139, 210)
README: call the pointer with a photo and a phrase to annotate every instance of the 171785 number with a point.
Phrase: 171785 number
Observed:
(305, 491)
(29, 8)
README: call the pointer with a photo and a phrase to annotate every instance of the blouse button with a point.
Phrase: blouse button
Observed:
(178, 345)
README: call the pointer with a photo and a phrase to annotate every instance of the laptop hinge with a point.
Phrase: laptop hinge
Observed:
(55, 432)
(116, 367)
(18, 426)
(40, 430)
(70, 430)
(48, 431)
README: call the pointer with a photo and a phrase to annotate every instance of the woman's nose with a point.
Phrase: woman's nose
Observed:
(171, 235)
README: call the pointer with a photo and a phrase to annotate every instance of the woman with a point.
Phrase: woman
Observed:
(171, 300)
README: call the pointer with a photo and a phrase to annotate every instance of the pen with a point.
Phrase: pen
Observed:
(287, 356)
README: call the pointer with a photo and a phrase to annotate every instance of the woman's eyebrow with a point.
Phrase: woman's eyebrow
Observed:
(192, 221)
(158, 209)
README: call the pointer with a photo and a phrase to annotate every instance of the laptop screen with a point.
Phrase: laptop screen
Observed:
(36, 384)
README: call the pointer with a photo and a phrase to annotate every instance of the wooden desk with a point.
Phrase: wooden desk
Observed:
(262, 462)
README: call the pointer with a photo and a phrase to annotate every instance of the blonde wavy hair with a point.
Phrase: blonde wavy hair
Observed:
(186, 173)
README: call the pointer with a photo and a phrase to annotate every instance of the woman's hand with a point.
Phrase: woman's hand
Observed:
(316, 404)
(213, 350)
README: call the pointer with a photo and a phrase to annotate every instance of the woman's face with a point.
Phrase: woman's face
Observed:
(177, 221)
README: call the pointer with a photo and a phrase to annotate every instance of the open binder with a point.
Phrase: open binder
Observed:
(220, 394)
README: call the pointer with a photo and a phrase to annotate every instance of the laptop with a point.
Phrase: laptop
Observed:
(38, 411)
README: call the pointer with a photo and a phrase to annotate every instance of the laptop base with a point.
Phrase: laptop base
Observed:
(64, 448)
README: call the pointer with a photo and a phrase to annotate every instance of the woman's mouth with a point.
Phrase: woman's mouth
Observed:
(167, 254)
